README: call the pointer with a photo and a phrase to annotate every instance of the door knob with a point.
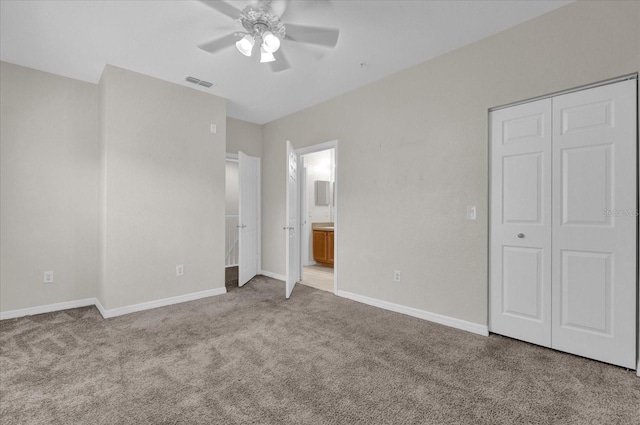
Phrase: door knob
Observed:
(241, 226)
(521, 235)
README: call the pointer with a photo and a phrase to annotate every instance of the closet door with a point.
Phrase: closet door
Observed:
(520, 250)
(594, 223)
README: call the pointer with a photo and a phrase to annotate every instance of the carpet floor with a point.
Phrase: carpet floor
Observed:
(252, 357)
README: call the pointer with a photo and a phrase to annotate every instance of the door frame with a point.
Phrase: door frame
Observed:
(333, 144)
(235, 158)
(632, 76)
(304, 210)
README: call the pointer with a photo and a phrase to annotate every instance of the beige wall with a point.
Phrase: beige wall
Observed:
(244, 136)
(163, 192)
(48, 188)
(413, 154)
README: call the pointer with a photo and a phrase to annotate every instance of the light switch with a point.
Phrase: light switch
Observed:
(214, 128)
(471, 212)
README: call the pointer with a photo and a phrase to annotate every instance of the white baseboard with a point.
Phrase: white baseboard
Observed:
(158, 303)
(30, 311)
(421, 314)
(113, 312)
(101, 309)
(273, 275)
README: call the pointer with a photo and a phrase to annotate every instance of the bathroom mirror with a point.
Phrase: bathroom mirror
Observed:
(322, 192)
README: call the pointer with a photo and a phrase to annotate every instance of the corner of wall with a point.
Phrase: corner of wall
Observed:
(102, 194)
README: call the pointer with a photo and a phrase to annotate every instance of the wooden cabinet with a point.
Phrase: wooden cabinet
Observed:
(323, 247)
(330, 248)
(320, 246)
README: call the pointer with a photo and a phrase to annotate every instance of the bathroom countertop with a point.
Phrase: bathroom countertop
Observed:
(326, 226)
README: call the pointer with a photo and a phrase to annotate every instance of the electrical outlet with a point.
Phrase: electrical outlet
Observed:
(179, 270)
(48, 277)
(397, 276)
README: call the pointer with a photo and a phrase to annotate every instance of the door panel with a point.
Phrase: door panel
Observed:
(521, 183)
(587, 185)
(520, 246)
(585, 292)
(595, 223)
(292, 227)
(249, 172)
(587, 116)
(522, 283)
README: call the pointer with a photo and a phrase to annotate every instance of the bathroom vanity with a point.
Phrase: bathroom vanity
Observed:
(323, 243)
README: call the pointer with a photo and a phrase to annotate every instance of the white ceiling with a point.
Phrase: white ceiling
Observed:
(78, 38)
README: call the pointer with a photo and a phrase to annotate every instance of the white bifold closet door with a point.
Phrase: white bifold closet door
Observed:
(564, 223)
(520, 301)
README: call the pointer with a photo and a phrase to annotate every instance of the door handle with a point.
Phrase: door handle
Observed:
(241, 226)
(287, 228)
(521, 235)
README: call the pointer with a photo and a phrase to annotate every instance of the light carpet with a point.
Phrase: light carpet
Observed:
(252, 357)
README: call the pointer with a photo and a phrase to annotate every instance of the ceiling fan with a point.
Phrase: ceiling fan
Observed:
(264, 28)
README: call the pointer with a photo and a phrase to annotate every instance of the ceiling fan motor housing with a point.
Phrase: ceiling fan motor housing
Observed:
(259, 20)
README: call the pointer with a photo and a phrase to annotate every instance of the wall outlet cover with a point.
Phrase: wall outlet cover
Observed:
(48, 277)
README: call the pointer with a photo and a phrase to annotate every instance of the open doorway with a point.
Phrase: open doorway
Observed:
(297, 221)
(242, 221)
(232, 252)
(317, 208)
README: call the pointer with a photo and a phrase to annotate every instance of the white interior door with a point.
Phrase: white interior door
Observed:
(520, 250)
(595, 219)
(249, 224)
(292, 223)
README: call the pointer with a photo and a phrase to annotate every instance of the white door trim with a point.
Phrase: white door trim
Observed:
(333, 144)
(632, 76)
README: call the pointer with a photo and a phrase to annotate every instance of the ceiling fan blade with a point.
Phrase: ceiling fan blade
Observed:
(218, 44)
(223, 7)
(297, 8)
(281, 63)
(279, 7)
(312, 35)
(308, 50)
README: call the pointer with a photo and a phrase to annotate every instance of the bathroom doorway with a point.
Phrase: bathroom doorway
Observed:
(318, 216)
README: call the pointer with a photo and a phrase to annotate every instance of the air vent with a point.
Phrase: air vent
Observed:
(199, 82)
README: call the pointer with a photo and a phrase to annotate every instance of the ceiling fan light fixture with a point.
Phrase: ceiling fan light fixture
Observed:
(266, 56)
(270, 43)
(245, 45)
